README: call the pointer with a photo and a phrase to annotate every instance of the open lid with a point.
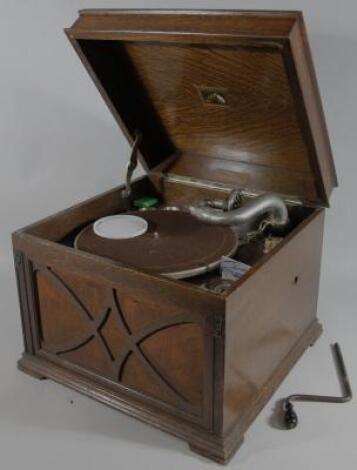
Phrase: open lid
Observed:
(226, 97)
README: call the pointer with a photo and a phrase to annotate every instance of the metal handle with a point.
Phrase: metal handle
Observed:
(290, 417)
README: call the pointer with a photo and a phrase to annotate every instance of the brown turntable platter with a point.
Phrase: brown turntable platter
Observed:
(176, 244)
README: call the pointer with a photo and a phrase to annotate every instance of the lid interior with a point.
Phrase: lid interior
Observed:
(230, 114)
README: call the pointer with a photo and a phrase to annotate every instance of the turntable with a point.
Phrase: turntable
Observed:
(175, 244)
(184, 297)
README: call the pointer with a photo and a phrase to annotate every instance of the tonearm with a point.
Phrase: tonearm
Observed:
(231, 211)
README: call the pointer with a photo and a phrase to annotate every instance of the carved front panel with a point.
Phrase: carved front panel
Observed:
(141, 345)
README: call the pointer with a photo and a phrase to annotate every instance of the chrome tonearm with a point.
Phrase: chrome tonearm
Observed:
(226, 211)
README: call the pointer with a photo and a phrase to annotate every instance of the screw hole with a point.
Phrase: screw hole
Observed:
(296, 279)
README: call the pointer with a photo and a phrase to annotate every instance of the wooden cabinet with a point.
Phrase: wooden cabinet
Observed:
(223, 100)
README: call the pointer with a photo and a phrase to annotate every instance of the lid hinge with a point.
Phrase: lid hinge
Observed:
(225, 188)
(217, 325)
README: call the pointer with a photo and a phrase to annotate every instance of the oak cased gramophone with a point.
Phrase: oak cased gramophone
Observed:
(223, 111)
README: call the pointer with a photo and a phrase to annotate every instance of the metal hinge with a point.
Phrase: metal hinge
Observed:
(18, 260)
(218, 325)
(225, 188)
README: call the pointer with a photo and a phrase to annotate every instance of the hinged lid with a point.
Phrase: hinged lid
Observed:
(228, 97)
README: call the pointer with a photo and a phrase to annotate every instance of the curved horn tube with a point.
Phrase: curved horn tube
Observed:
(264, 204)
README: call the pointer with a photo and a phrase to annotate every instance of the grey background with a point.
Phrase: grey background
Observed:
(60, 145)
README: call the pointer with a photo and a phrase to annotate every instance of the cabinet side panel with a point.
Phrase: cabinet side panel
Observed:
(20, 270)
(141, 346)
(266, 317)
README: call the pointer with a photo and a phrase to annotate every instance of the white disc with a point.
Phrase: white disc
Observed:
(119, 227)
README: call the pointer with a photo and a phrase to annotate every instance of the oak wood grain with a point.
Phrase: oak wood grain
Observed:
(226, 97)
(270, 133)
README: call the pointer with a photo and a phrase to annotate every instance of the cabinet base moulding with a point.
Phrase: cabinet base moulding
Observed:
(209, 445)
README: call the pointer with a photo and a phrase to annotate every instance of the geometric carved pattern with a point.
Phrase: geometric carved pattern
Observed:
(131, 344)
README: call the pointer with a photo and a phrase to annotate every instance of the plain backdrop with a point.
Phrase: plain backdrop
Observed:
(60, 145)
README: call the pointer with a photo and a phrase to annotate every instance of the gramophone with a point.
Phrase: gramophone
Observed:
(184, 297)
